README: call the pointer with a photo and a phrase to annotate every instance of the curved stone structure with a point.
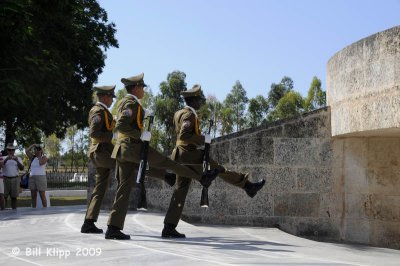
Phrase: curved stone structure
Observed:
(363, 86)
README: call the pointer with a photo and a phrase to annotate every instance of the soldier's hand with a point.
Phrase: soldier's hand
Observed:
(146, 136)
(207, 138)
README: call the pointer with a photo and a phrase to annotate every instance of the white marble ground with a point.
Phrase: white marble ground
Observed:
(52, 236)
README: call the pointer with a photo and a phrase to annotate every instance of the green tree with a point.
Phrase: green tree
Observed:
(279, 90)
(227, 120)
(257, 110)
(165, 106)
(52, 146)
(51, 55)
(236, 100)
(316, 97)
(215, 108)
(290, 105)
(70, 136)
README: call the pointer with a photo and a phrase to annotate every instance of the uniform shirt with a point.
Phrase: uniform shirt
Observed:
(10, 168)
(100, 123)
(130, 116)
(187, 127)
(36, 168)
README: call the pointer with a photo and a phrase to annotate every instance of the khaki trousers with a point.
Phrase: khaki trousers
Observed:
(182, 186)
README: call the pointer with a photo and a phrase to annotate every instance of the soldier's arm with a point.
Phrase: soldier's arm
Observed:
(187, 130)
(96, 126)
(126, 122)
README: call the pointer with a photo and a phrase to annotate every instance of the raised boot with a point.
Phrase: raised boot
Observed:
(208, 177)
(170, 178)
(252, 188)
(115, 233)
(169, 231)
(89, 227)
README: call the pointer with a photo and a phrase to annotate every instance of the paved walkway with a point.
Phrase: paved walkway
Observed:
(52, 237)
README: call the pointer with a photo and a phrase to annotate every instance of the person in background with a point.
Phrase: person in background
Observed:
(37, 179)
(2, 205)
(11, 166)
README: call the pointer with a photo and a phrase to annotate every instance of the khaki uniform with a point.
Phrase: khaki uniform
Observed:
(187, 152)
(101, 125)
(127, 151)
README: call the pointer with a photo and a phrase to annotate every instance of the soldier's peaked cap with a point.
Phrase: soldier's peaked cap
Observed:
(108, 90)
(195, 91)
(135, 80)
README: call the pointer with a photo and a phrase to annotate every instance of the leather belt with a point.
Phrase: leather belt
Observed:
(182, 142)
(131, 139)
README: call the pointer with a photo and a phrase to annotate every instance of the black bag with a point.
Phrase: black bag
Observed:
(24, 183)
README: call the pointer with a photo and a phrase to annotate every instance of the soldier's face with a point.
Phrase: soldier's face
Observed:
(108, 100)
(196, 103)
(138, 91)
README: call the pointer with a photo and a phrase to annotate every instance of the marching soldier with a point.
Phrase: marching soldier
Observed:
(127, 152)
(101, 124)
(187, 151)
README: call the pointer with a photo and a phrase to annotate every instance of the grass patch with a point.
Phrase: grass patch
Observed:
(54, 201)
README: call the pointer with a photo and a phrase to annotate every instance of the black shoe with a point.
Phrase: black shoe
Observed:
(170, 178)
(115, 233)
(208, 177)
(89, 227)
(169, 231)
(252, 188)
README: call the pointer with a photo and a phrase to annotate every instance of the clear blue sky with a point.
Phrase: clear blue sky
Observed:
(257, 42)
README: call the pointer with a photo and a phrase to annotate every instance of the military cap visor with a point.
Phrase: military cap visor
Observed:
(135, 80)
(193, 92)
(107, 90)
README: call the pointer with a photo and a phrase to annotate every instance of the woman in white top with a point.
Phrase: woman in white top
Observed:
(37, 179)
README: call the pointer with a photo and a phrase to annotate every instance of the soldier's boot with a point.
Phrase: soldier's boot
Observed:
(208, 177)
(170, 178)
(115, 233)
(89, 227)
(169, 231)
(252, 188)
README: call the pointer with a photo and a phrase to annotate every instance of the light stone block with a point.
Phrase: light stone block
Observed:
(363, 86)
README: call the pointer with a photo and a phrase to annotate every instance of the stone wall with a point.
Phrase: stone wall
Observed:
(294, 156)
(363, 89)
(367, 174)
(363, 86)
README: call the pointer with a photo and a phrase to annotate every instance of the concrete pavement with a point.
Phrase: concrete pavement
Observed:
(52, 236)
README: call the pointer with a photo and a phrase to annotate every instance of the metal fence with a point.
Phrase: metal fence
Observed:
(65, 179)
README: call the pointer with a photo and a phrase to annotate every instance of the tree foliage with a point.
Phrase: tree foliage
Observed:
(279, 90)
(316, 97)
(166, 104)
(236, 100)
(289, 105)
(257, 110)
(215, 108)
(52, 53)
